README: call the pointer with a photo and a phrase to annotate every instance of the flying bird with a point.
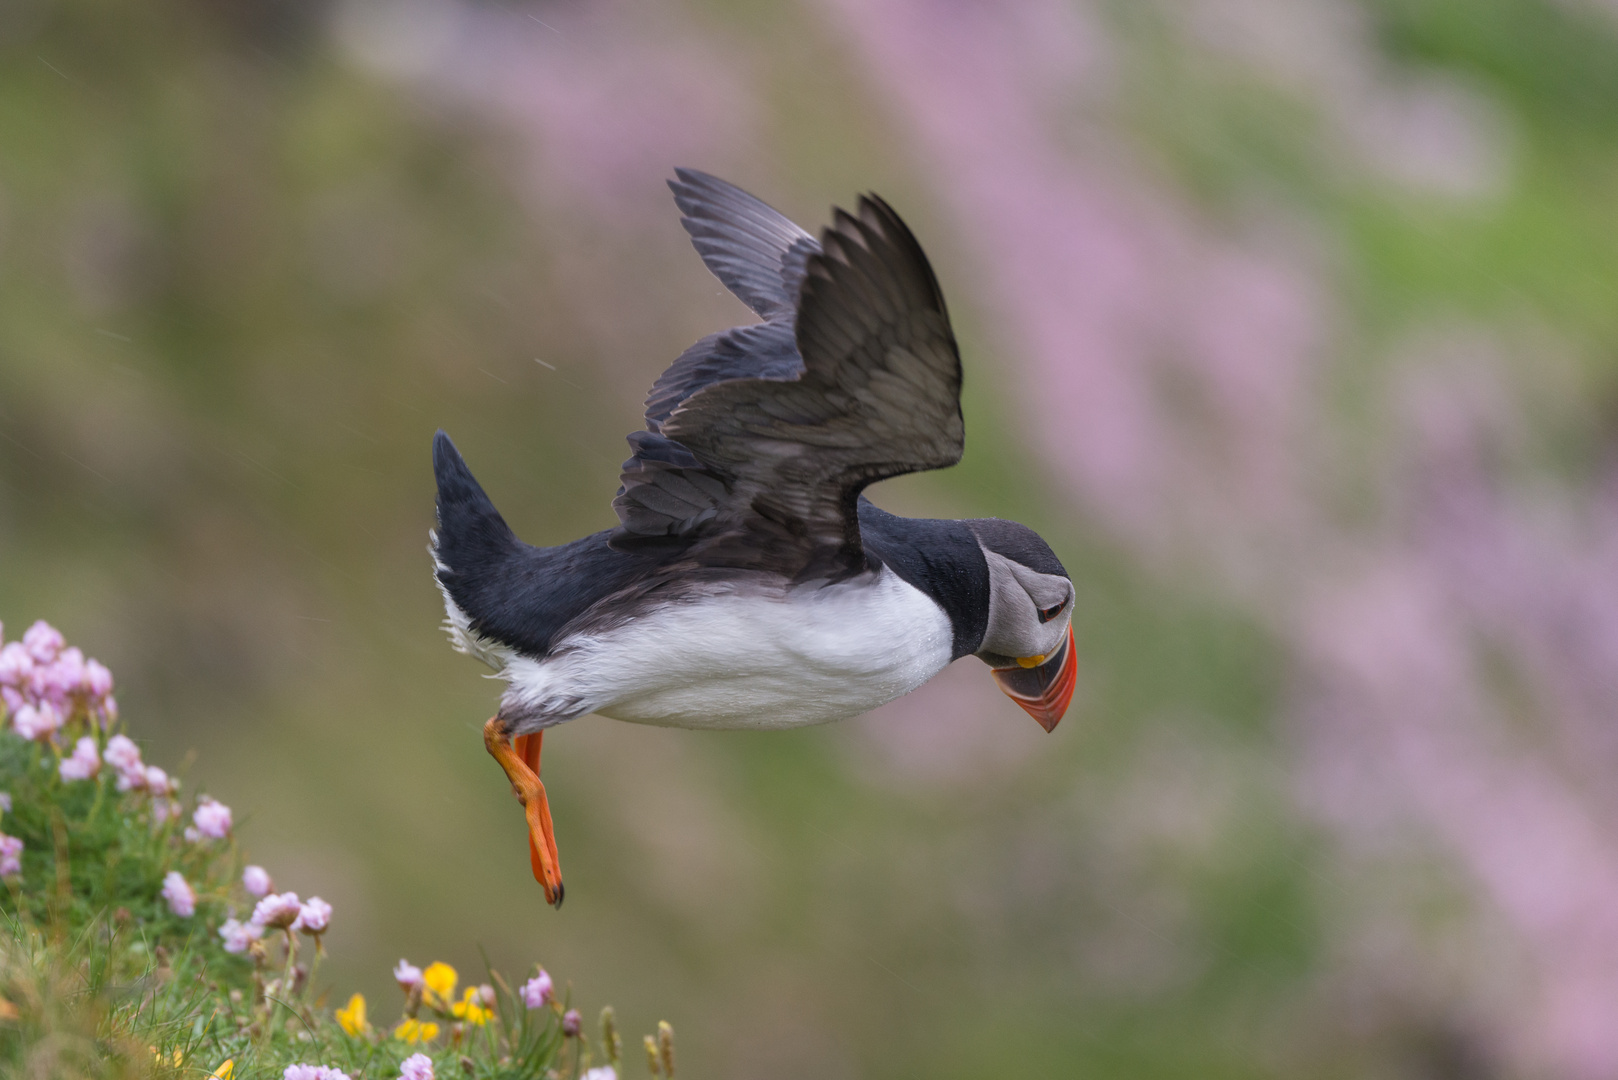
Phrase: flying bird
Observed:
(749, 582)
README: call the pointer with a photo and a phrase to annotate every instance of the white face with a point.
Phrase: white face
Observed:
(1028, 611)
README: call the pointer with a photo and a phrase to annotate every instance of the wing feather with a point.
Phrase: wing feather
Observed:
(782, 449)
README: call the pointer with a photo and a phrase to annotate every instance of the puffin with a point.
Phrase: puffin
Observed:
(749, 582)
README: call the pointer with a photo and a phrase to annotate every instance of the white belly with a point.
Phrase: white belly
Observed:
(737, 659)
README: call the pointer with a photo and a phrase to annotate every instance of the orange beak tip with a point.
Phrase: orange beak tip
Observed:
(1043, 692)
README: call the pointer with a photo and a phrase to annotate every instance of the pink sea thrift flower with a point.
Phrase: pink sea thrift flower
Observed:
(61, 680)
(163, 809)
(239, 935)
(43, 641)
(277, 912)
(16, 665)
(313, 1072)
(605, 1072)
(97, 679)
(5, 801)
(313, 917)
(407, 975)
(416, 1067)
(36, 722)
(84, 763)
(159, 782)
(537, 991)
(571, 1022)
(212, 818)
(10, 856)
(256, 880)
(123, 755)
(182, 900)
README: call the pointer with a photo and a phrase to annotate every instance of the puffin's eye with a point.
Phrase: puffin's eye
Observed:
(1047, 614)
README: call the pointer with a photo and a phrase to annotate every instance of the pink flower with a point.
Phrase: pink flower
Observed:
(571, 1023)
(407, 975)
(83, 764)
(416, 1067)
(64, 678)
(163, 809)
(159, 783)
(5, 801)
(313, 917)
(256, 880)
(313, 1072)
(212, 818)
(36, 722)
(97, 679)
(537, 991)
(43, 641)
(239, 935)
(10, 856)
(182, 900)
(277, 912)
(15, 665)
(122, 753)
(604, 1072)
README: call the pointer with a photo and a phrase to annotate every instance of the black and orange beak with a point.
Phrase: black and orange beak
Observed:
(1044, 688)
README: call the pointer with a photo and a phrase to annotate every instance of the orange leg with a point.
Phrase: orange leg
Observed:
(521, 764)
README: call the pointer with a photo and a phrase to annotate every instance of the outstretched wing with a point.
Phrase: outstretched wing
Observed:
(749, 245)
(760, 256)
(764, 468)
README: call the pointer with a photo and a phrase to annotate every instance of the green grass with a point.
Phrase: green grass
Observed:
(102, 976)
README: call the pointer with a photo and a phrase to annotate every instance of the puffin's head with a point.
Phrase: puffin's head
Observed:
(1029, 638)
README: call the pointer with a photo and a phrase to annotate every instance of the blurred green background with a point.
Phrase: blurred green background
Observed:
(1290, 323)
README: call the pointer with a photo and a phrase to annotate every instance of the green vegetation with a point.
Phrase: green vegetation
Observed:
(135, 942)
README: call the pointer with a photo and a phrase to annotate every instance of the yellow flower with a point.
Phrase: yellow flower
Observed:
(415, 1031)
(438, 984)
(225, 1071)
(352, 1018)
(471, 1008)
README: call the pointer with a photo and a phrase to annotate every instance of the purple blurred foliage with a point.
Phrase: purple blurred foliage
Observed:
(1174, 375)
(1167, 369)
(1460, 674)
(1455, 665)
(603, 96)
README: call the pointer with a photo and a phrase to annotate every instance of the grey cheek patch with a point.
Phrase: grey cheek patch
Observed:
(1017, 595)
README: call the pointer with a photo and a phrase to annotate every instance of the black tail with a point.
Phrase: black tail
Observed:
(473, 538)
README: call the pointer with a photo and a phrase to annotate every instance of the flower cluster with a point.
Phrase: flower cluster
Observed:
(313, 1072)
(80, 766)
(432, 1010)
(276, 911)
(44, 683)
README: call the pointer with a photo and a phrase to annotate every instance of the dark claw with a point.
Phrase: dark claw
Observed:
(560, 892)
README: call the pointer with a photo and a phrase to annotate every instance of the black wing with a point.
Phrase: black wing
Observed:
(764, 467)
(760, 256)
(749, 245)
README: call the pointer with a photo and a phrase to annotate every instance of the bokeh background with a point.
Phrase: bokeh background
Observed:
(1293, 324)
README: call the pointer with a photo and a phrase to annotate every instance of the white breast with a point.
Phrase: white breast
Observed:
(734, 657)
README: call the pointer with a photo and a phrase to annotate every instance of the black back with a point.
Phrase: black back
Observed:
(514, 593)
(526, 597)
